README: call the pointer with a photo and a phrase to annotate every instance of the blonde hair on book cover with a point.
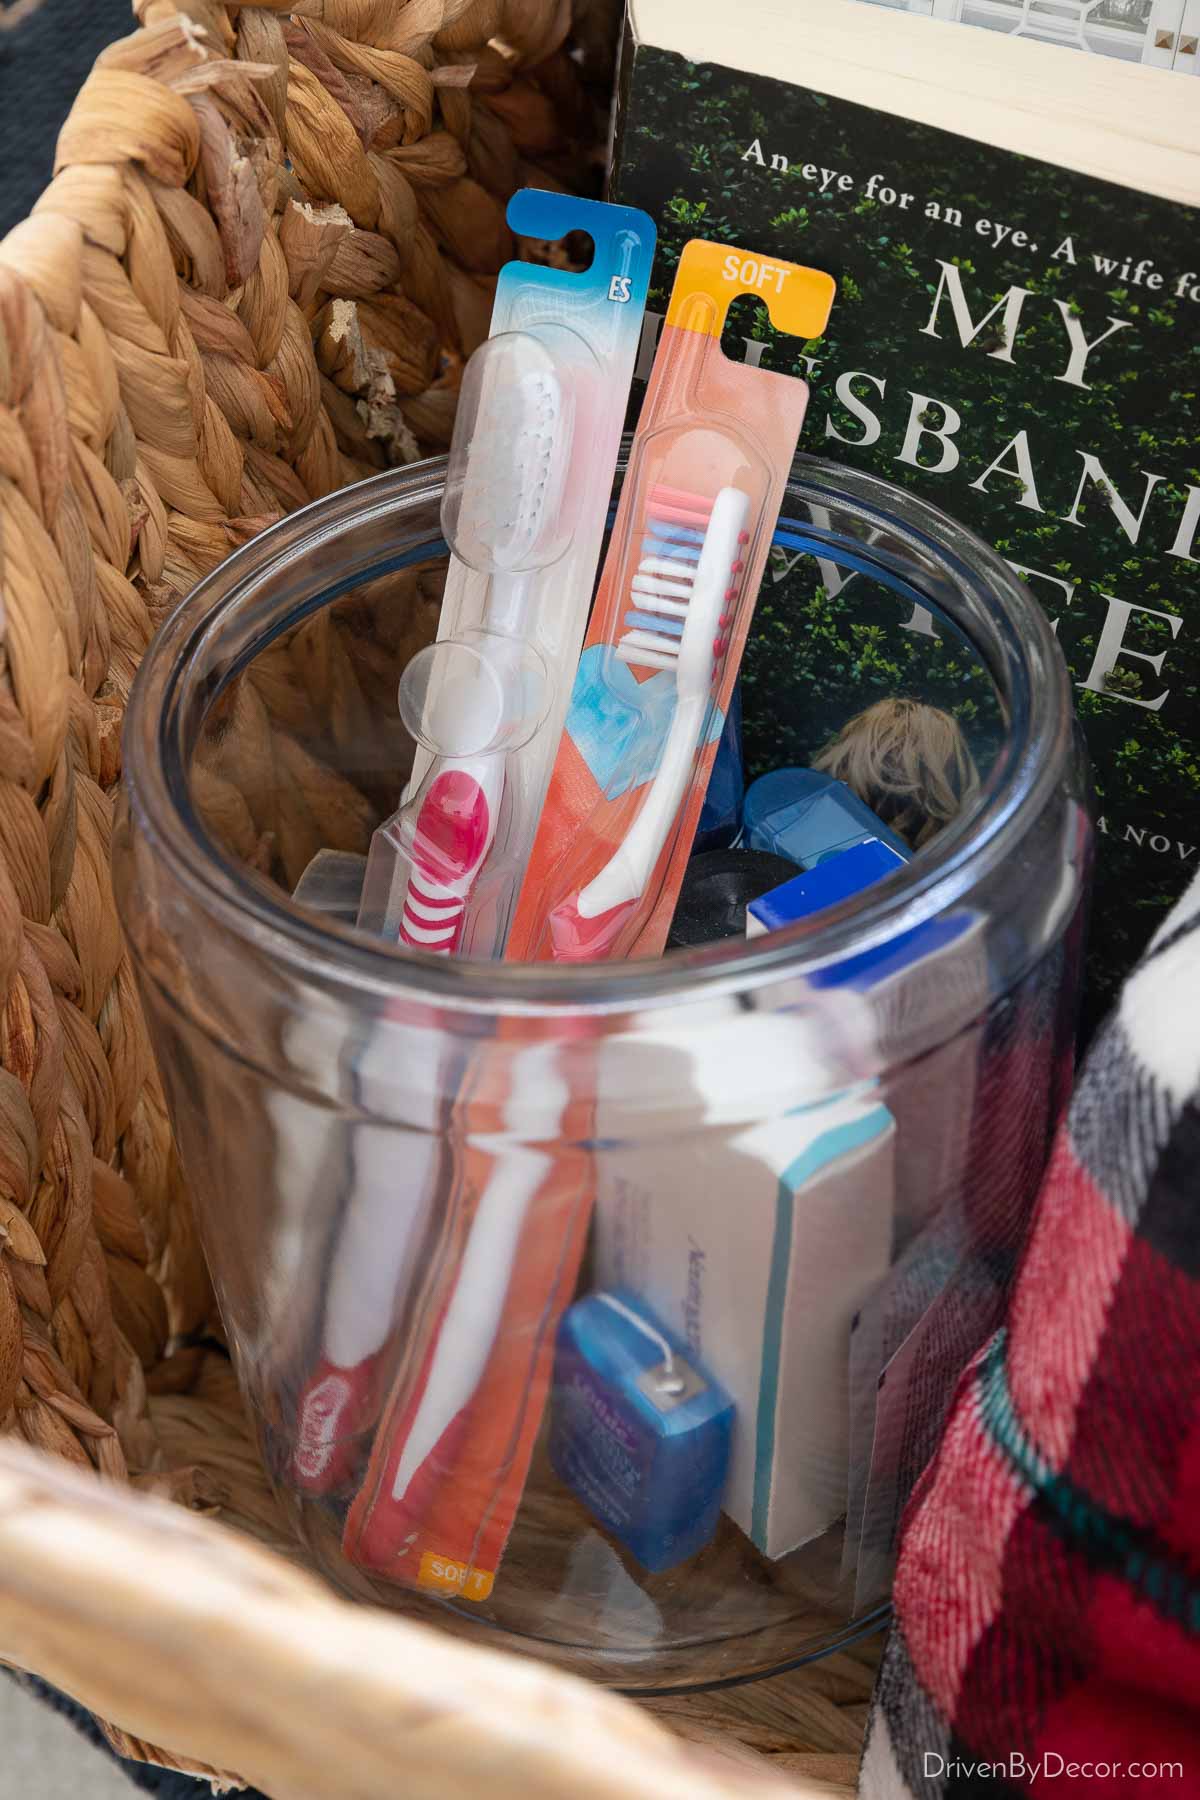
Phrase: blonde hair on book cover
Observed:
(908, 762)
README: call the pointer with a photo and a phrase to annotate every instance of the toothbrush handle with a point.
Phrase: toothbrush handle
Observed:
(472, 1319)
(454, 831)
(378, 1241)
(625, 876)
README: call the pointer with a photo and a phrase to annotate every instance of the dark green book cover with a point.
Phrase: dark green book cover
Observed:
(1017, 343)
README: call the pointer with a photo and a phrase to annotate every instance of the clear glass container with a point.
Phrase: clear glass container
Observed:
(804, 1159)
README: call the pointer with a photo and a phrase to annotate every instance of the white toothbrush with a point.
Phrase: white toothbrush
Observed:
(503, 514)
(684, 591)
(392, 1176)
(422, 1442)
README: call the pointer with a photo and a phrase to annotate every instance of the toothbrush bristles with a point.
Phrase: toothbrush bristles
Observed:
(644, 621)
(516, 440)
(673, 496)
(675, 526)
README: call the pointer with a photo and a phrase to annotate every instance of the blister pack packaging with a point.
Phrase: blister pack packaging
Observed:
(705, 480)
(535, 446)
(453, 1447)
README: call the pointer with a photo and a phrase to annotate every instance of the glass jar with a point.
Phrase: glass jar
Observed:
(795, 1163)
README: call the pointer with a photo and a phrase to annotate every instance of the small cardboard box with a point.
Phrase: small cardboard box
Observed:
(757, 1248)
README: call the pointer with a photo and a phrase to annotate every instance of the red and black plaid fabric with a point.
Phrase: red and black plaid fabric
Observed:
(1047, 1598)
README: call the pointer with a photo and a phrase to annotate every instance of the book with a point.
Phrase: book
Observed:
(1016, 244)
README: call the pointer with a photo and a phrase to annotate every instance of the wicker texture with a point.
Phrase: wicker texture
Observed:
(263, 260)
(268, 249)
(398, 1708)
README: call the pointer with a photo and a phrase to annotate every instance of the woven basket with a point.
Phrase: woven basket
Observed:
(267, 250)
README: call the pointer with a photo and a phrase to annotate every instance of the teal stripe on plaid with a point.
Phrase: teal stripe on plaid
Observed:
(1138, 1556)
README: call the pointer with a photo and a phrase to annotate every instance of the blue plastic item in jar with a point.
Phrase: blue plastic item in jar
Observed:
(807, 816)
(638, 1431)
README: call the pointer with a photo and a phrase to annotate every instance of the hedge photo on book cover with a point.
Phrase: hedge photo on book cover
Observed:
(1019, 345)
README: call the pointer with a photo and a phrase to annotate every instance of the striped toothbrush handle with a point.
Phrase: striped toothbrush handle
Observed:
(433, 915)
(454, 832)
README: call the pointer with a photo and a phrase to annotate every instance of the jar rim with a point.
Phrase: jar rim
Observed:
(200, 643)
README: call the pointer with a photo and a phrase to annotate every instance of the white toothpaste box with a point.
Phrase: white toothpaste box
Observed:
(758, 1245)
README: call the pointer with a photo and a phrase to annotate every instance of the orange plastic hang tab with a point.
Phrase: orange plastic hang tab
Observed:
(711, 277)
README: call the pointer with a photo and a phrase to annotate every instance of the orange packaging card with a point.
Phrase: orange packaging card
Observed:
(452, 1453)
(693, 530)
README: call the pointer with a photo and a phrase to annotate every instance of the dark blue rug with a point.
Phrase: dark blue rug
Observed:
(167, 1784)
(47, 48)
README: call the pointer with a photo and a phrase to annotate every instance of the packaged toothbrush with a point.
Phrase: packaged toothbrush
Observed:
(452, 1452)
(390, 1233)
(525, 506)
(705, 481)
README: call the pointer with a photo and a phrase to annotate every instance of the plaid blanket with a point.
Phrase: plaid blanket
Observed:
(1047, 1598)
